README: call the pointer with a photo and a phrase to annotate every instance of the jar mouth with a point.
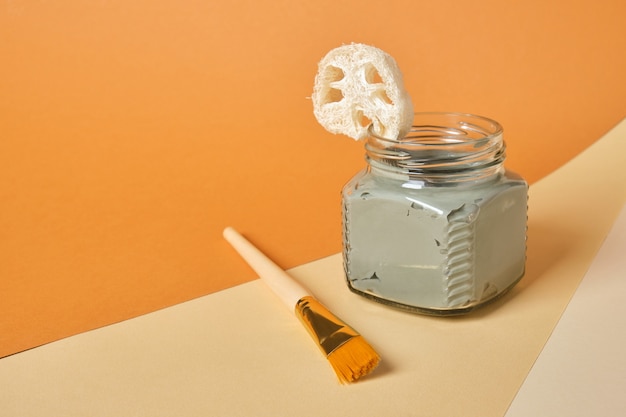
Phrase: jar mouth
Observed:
(440, 147)
(445, 128)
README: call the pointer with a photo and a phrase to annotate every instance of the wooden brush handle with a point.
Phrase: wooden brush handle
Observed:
(285, 287)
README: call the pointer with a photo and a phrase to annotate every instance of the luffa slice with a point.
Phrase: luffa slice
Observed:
(357, 86)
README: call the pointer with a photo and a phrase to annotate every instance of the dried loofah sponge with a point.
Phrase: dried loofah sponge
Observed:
(357, 86)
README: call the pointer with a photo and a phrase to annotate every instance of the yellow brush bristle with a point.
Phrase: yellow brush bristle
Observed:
(353, 359)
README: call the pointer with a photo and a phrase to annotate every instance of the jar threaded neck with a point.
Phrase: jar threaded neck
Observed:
(441, 148)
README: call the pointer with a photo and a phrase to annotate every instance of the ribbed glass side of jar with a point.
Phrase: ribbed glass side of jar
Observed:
(435, 224)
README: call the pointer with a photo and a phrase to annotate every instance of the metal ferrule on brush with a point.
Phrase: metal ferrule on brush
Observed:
(329, 331)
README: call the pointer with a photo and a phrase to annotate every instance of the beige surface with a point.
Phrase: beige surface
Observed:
(240, 353)
(581, 371)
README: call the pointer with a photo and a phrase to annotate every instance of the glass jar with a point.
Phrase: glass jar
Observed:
(435, 224)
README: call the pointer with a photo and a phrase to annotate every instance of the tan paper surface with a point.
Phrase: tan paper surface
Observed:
(240, 353)
(581, 371)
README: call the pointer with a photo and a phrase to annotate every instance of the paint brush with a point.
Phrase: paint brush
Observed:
(347, 351)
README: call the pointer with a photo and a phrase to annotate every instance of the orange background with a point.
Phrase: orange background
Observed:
(133, 132)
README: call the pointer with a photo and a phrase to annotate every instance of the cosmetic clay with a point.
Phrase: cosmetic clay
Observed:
(435, 224)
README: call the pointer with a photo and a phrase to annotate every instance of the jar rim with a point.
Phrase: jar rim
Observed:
(462, 128)
(442, 147)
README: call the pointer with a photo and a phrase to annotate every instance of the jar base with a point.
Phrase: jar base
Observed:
(440, 312)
